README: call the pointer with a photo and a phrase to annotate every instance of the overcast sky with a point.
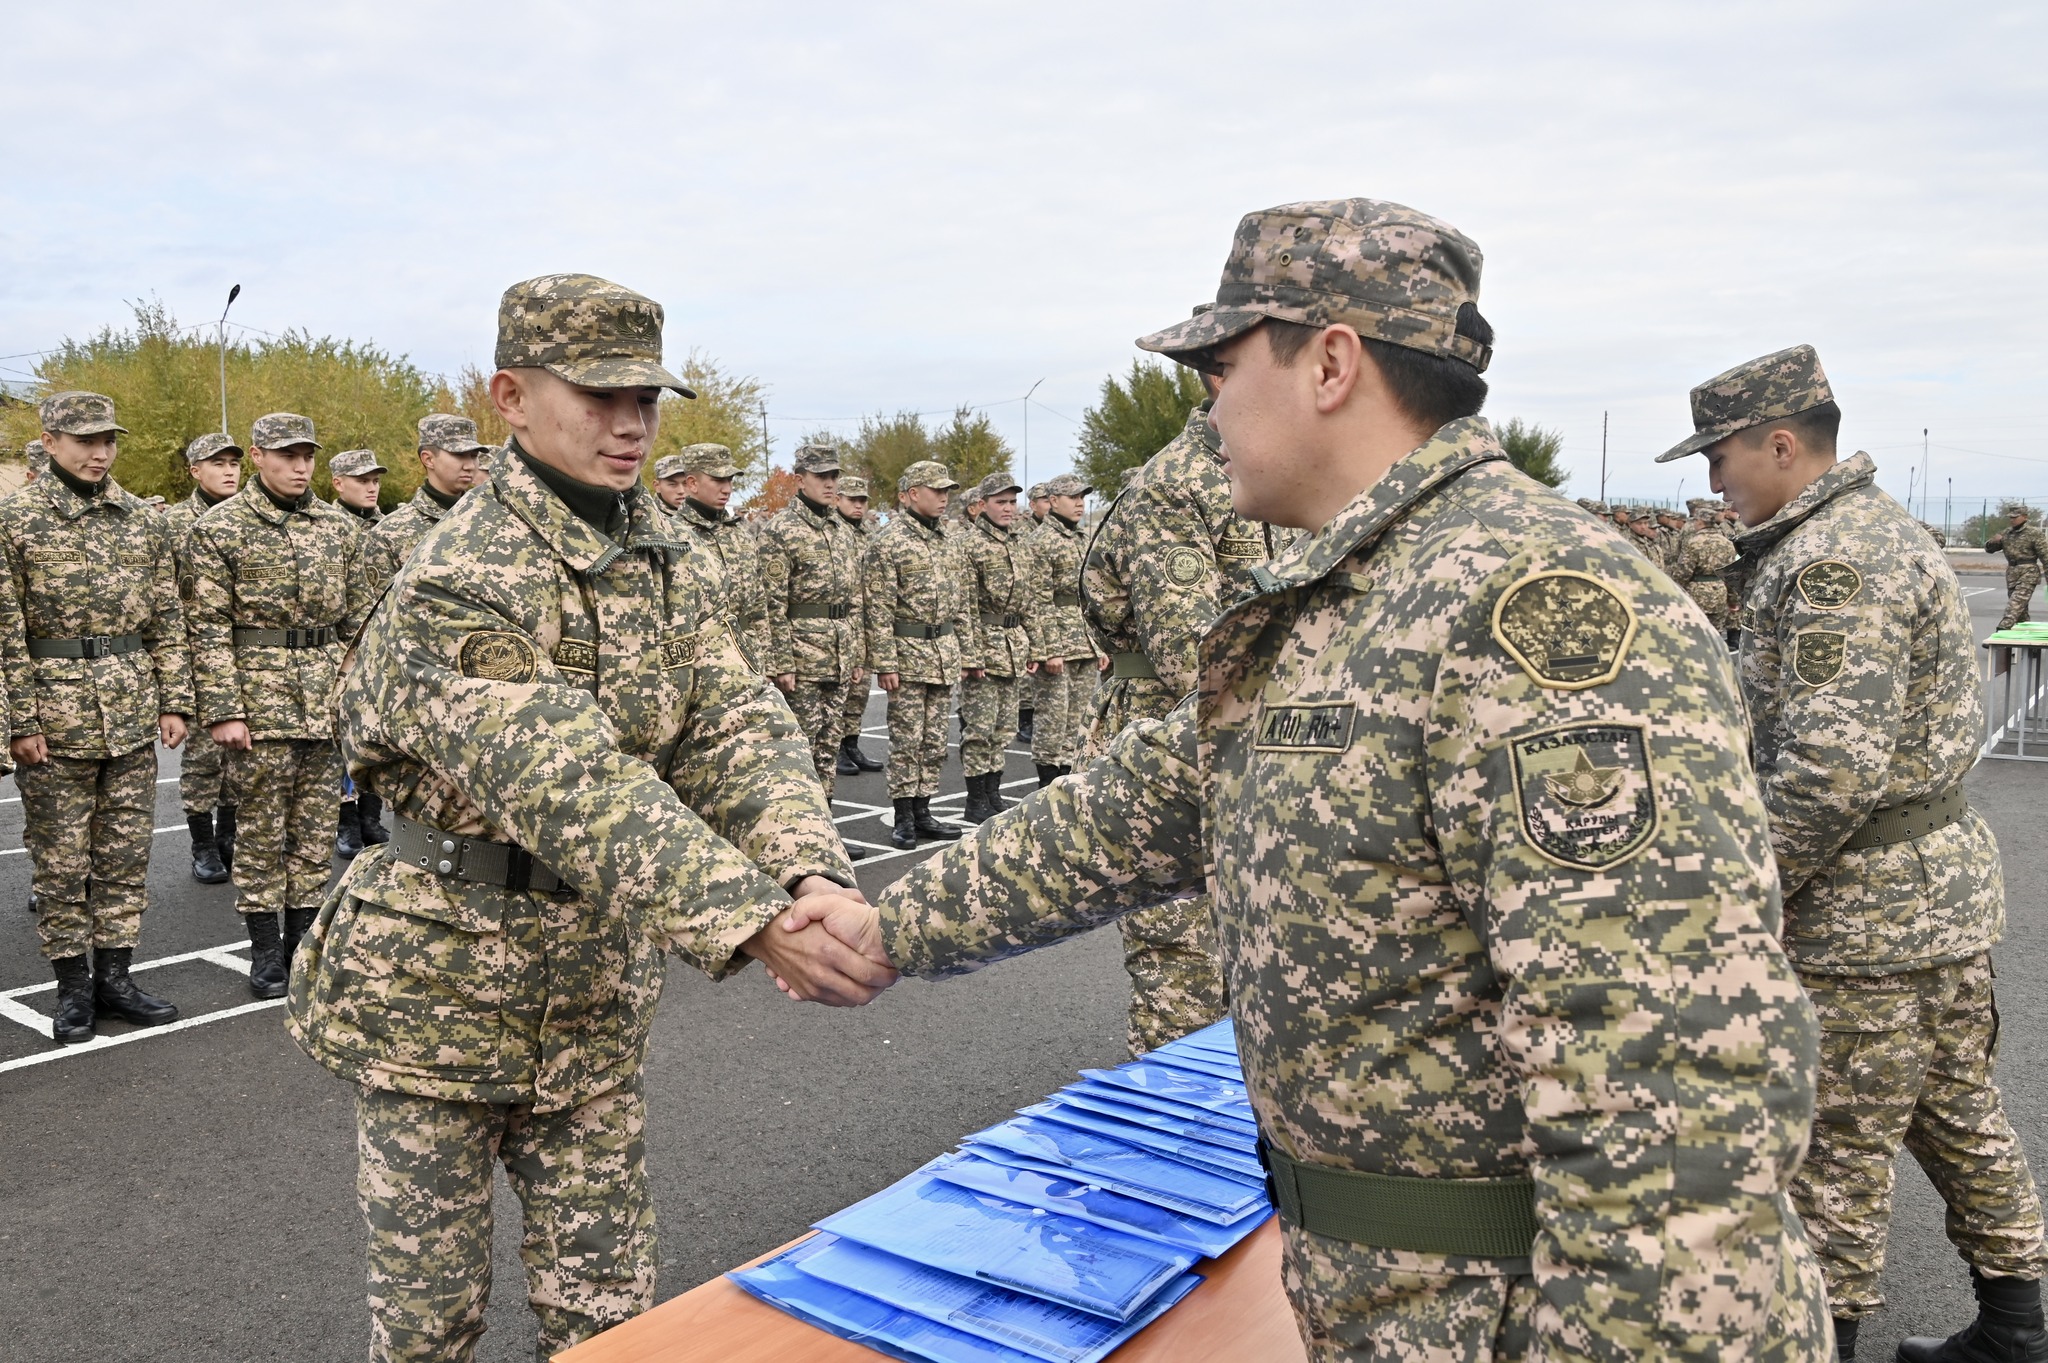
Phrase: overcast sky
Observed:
(884, 207)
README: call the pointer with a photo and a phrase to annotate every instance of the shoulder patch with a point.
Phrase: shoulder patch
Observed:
(1184, 566)
(1818, 654)
(1584, 793)
(497, 655)
(1829, 584)
(1567, 629)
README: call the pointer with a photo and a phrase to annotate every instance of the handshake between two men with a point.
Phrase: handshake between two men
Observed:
(826, 947)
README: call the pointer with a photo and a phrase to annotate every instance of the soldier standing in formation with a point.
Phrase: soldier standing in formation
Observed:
(214, 462)
(1034, 686)
(853, 509)
(669, 473)
(1858, 666)
(1467, 779)
(451, 458)
(1704, 555)
(1066, 681)
(997, 652)
(93, 641)
(585, 773)
(357, 478)
(701, 478)
(2026, 547)
(274, 604)
(916, 618)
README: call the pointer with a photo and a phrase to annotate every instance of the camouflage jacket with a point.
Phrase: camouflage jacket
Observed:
(363, 521)
(2028, 544)
(1056, 590)
(1703, 553)
(1167, 556)
(529, 681)
(810, 560)
(1493, 889)
(76, 569)
(385, 546)
(729, 544)
(995, 570)
(1860, 671)
(914, 577)
(178, 520)
(255, 565)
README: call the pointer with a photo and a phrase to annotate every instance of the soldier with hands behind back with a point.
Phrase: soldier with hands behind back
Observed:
(214, 462)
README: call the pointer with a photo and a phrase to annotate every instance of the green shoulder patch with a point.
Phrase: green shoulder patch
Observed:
(1829, 584)
(1184, 566)
(1818, 654)
(497, 655)
(1568, 630)
(1585, 794)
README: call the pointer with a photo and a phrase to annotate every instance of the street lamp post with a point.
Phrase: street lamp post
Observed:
(233, 294)
(1027, 431)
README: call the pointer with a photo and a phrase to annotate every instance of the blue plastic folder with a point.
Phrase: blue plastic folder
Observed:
(1124, 1168)
(1198, 1062)
(1196, 1090)
(1209, 1157)
(1219, 1037)
(882, 1327)
(1086, 1201)
(1074, 1263)
(1109, 1093)
(1242, 1139)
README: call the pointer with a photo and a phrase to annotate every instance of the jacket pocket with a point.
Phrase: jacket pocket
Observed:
(415, 993)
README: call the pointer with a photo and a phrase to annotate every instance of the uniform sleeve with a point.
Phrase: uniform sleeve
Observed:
(1608, 849)
(366, 581)
(1041, 630)
(974, 644)
(209, 624)
(775, 570)
(1123, 834)
(1175, 583)
(165, 634)
(879, 589)
(1844, 674)
(21, 677)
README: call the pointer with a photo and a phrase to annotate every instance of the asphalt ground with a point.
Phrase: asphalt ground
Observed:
(190, 1194)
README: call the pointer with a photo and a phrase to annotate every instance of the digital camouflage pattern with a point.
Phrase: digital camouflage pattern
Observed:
(816, 459)
(853, 704)
(1064, 705)
(1699, 562)
(914, 580)
(583, 329)
(86, 822)
(995, 577)
(281, 431)
(446, 431)
(206, 446)
(386, 546)
(527, 680)
(580, 1175)
(355, 464)
(36, 458)
(707, 458)
(78, 413)
(1388, 271)
(1769, 388)
(730, 550)
(1481, 917)
(811, 565)
(1906, 1061)
(199, 773)
(2026, 552)
(284, 845)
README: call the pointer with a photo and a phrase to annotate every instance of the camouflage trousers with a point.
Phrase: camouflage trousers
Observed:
(820, 710)
(1906, 1060)
(917, 738)
(2020, 581)
(988, 720)
(199, 785)
(87, 823)
(1066, 706)
(855, 712)
(1170, 953)
(423, 1182)
(284, 846)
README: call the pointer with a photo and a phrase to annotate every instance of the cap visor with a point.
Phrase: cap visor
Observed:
(1692, 444)
(472, 447)
(620, 372)
(1200, 333)
(99, 428)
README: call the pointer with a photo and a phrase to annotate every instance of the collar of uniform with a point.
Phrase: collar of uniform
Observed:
(423, 501)
(930, 526)
(1858, 470)
(66, 502)
(258, 499)
(821, 519)
(1198, 426)
(992, 530)
(1455, 448)
(697, 513)
(572, 539)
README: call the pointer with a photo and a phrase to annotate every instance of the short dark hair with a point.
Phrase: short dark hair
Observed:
(1432, 390)
(1818, 428)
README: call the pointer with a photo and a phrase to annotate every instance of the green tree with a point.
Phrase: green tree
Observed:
(885, 446)
(1134, 419)
(970, 447)
(726, 411)
(1534, 450)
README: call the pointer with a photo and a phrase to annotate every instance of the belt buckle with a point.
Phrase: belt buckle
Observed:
(102, 646)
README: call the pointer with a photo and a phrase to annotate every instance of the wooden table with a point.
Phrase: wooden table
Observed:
(1238, 1315)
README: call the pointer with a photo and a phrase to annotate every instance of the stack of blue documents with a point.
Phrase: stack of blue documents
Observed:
(1056, 1235)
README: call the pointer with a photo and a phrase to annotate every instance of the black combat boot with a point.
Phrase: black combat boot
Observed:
(904, 834)
(296, 921)
(2008, 1328)
(846, 766)
(1047, 774)
(370, 818)
(206, 864)
(1845, 1338)
(348, 832)
(73, 1020)
(224, 836)
(114, 992)
(860, 759)
(267, 968)
(979, 810)
(1024, 727)
(995, 792)
(926, 825)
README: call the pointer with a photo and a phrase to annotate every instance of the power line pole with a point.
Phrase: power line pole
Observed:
(1926, 468)
(1603, 456)
(233, 294)
(1027, 431)
(767, 451)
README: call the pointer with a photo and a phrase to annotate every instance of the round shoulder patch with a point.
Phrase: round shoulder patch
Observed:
(1829, 584)
(497, 655)
(1567, 630)
(1184, 566)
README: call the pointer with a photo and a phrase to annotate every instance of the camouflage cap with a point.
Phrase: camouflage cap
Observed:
(713, 461)
(1393, 273)
(206, 446)
(926, 473)
(586, 330)
(355, 464)
(1067, 485)
(669, 466)
(817, 459)
(1037, 492)
(852, 485)
(35, 455)
(1701, 506)
(1768, 388)
(78, 413)
(995, 485)
(281, 430)
(455, 434)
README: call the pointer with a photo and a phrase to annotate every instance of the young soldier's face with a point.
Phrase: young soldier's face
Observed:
(357, 490)
(219, 476)
(452, 474)
(822, 488)
(87, 458)
(703, 488)
(595, 435)
(853, 508)
(929, 502)
(1071, 508)
(287, 472)
(1259, 413)
(1001, 509)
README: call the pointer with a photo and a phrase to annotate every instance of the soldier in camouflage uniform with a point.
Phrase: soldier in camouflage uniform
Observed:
(1167, 556)
(1035, 686)
(586, 772)
(810, 586)
(916, 617)
(853, 509)
(452, 459)
(1467, 780)
(1066, 679)
(92, 637)
(1859, 671)
(2026, 547)
(1701, 559)
(357, 476)
(998, 651)
(702, 477)
(669, 472)
(274, 604)
(214, 462)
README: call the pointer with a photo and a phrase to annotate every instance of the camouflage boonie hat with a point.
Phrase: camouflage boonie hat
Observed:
(1768, 388)
(926, 473)
(455, 434)
(204, 447)
(1393, 273)
(995, 485)
(1067, 485)
(355, 464)
(852, 485)
(35, 456)
(817, 459)
(76, 413)
(282, 430)
(586, 330)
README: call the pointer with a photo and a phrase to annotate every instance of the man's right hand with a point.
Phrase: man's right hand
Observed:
(889, 681)
(786, 683)
(30, 751)
(826, 948)
(232, 734)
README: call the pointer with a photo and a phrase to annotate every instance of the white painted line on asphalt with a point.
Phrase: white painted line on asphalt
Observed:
(101, 1043)
(221, 956)
(23, 851)
(16, 799)
(26, 1016)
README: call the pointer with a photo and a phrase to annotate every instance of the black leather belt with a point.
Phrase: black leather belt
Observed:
(913, 629)
(1903, 823)
(318, 637)
(477, 860)
(92, 646)
(814, 611)
(1001, 620)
